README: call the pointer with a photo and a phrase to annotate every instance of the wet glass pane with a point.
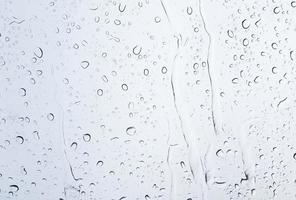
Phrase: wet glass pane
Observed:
(147, 99)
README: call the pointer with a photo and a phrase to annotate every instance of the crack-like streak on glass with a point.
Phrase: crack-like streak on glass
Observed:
(61, 109)
(178, 112)
(168, 161)
(209, 69)
(165, 11)
(175, 101)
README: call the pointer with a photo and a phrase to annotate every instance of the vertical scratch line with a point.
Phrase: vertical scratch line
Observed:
(168, 161)
(208, 69)
(165, 11)
(62, 128)
(175, 103)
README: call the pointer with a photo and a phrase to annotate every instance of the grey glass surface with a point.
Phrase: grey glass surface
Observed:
(148, 99)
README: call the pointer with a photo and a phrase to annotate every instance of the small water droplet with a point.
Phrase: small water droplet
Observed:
(157, 19)
(86, 137)
(131, 131)
(124, 87)
(20, 139)
(100, 92)
(84, 64)
(50, 116)
(22, 92)
(146, 72)
(164, 70)
(100, 163)
(137, 50)
(189, 10)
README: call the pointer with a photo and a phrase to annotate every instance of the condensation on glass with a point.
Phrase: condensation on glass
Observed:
(148, 99)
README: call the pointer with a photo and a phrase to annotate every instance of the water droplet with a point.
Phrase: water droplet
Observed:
(219, 153)
(36, 135)
(245, 24)
(234, 80)
(100, 92)
(22, 92)
(230, 33)
(245, 42)
(124, 87)
(86, 137)
(137, 50)
(146, 72)
(189, 10)
(84, 64)
(20, 139)
(50, 116)
(157, 19)
(100, 163)
(274, 45)
(164, 70)
(117, 22)
(39, 53)
(74, 145)
(15, 188)
(182, 163)
(276, 10)
(121, 8)
(131, 131)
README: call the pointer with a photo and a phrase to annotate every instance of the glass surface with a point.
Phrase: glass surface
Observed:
(149, 99)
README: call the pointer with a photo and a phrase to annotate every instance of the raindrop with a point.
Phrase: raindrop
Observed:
(274, 45)
(230, 33)
(189, 10)
(105, 79)
(100, 163)
(276, 10)
(219, 153)
(164, 70)
(117, 22)
(245, 24)
(157, 19)
(100, 92)
(273, 70)
(146, 72)
(104, 54)
(14, 187)
(74, 145)
(124, 87)
(121, 8)
(234, 80)
(97, 19)
(20, 139)
(86, 137)
(195, 66)
(131, 131)
(22, 92)
(39, 54)
(36, 135)
(76, 46)
(291, 55)
(137, 50)
(245, 42)
(182, 164)
(84, 64)
(50, 117)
